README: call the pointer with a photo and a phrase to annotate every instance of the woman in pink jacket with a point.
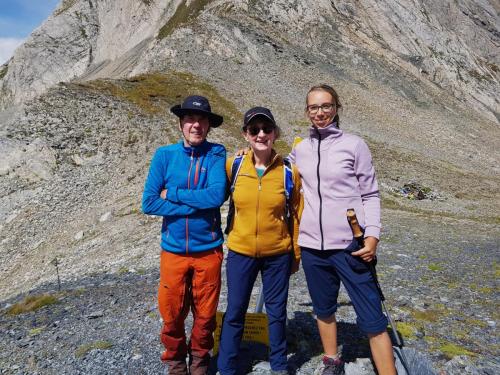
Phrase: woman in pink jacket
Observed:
(337, 174)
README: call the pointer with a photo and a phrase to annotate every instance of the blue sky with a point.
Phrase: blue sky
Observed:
(18, 18)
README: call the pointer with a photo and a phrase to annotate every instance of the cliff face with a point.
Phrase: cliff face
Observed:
(451, 44)
(78, 37)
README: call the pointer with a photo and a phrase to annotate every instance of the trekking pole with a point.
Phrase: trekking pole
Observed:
(260, 300)
(56, 264)
(359, 237)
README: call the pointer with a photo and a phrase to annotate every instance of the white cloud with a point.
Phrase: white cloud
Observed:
(7, 47)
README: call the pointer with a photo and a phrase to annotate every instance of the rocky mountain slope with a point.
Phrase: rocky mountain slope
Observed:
(451, 44)
(86, 103)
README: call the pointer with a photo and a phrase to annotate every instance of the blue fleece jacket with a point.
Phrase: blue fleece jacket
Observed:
(195, 179)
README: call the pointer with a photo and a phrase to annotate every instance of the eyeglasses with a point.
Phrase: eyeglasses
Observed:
(253, 130)
(326, 108)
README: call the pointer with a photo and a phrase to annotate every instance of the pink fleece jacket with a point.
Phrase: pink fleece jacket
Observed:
(337, 174)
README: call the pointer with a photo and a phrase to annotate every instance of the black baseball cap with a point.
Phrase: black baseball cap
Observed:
(256, 112)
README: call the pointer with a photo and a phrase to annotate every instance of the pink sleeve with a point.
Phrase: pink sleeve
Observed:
(363, 167)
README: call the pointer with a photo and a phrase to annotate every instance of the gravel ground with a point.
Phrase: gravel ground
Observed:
(444, 296)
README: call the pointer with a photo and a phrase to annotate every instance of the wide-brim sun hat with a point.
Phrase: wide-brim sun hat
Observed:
(197, 104)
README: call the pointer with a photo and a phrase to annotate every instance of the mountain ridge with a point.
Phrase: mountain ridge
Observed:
(421, 37)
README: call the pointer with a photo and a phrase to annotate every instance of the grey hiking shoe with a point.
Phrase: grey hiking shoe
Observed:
(333, 366)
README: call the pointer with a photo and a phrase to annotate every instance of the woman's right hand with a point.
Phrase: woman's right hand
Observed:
(242, 151)
(295, 266)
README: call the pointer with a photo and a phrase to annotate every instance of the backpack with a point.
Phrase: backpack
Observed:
(287, 184)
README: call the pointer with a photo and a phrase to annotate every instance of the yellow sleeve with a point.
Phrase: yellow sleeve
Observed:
(229, 165)
(297, 207)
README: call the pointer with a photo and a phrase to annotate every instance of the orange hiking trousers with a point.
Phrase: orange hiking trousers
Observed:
(189, 281)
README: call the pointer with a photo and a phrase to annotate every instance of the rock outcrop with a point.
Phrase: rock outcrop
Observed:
(453, 45)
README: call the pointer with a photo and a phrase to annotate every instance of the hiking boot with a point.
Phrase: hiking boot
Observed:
(176, 367)
(199, 365)
(333, 366)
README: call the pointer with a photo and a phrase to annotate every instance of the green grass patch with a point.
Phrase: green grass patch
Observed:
(406, 330)
(82, 350)
(451, 350)
(496, 267)
(32, 303)
(472, 322)
(461, 334)
(155, 93)
(182, 16)
(78, 292)
(35, 331)
(486, 290)
(435, 267)
(122, 270)
(427, 315)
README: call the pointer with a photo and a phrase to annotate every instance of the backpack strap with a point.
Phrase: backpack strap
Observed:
(235, 170)
(288, 185)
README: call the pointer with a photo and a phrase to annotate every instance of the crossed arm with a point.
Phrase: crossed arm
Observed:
(162, 200)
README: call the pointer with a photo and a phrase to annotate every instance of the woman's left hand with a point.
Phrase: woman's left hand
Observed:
(368, 252)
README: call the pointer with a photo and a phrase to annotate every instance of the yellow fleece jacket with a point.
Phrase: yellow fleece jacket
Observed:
(259, 227)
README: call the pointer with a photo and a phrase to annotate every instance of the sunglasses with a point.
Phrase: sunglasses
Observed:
(253, 130)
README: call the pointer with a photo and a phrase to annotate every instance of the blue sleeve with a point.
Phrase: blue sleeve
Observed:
(214, 194)
(152, 203)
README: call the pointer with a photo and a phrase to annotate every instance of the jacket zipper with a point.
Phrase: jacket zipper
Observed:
(189, 186)
(319, 191)
(213, 228)
(197, 172)
(258, 203)
(257, 217)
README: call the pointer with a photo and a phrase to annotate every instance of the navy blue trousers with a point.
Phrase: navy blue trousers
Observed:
(241, 273)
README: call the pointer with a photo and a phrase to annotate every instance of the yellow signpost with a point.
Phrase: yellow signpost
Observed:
(255, 329)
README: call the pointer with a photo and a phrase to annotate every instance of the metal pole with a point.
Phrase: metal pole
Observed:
(260, 300)
(56, 263)
(403, 359)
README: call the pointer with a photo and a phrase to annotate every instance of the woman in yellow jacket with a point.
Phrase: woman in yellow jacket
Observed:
(260, 240)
